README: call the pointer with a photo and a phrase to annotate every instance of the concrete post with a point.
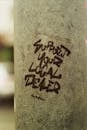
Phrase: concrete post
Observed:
(50, 65)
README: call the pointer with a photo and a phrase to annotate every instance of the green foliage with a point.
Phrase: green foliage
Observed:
(6, 54)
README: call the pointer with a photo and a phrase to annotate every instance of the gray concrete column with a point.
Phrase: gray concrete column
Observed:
(50, 65)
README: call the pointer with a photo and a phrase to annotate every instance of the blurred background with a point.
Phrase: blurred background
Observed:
(6, 66)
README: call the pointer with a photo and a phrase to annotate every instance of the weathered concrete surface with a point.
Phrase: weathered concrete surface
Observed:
(62, 21)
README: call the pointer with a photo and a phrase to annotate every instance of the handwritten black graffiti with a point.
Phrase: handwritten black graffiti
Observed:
(38, 97)
(44, 75)
(44, 72)
(41, 84)
(60, 51)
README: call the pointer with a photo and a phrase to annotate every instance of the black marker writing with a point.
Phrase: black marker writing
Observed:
(44, 75)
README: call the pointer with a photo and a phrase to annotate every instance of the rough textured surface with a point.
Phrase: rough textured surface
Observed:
(62, 21)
